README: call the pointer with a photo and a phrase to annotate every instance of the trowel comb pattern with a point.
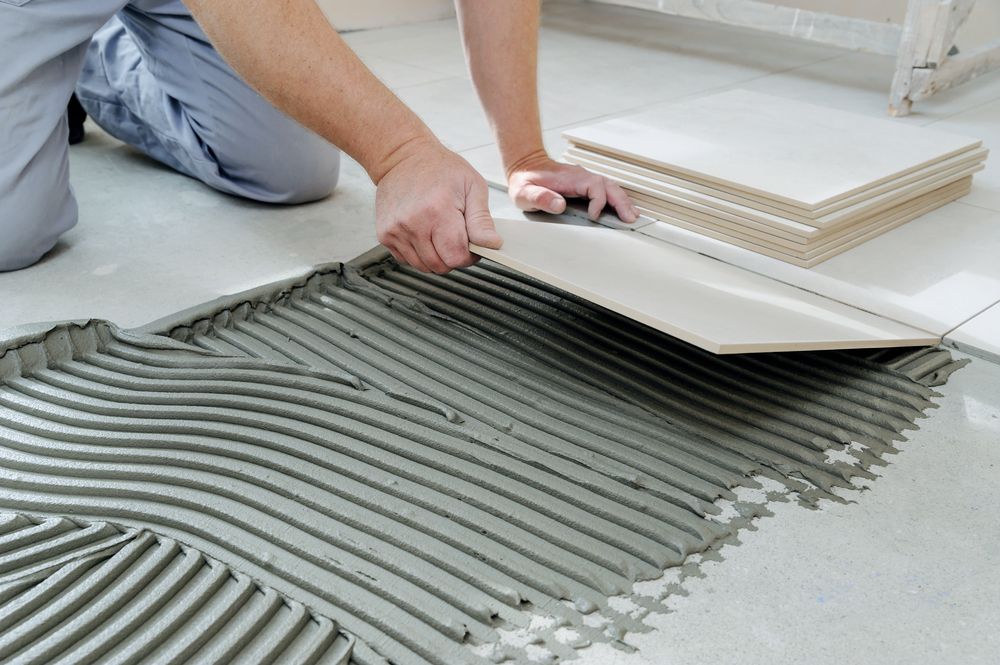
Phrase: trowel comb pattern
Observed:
(431, 460)
(75, 592)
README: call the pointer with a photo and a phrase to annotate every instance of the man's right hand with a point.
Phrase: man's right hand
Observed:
(430, 205)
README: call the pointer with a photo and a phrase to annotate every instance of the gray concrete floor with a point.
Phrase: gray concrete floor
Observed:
(906, 573)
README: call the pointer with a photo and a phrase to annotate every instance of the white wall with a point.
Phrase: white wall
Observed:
(360, 14)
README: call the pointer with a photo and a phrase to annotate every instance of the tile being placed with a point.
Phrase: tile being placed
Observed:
(716, 306)
(799, 154)
(933, 273)
(979, 336)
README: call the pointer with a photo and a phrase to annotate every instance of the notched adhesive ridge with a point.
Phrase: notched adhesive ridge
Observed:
(74, 592)
(457, 469)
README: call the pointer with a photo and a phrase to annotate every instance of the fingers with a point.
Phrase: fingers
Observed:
(405, 254)
(543, 190)
(620, 201)
(428, 209)
(593, 188)
(478, 220)
(437, 246)
(406, 244)
(535, 197)
(452, 243)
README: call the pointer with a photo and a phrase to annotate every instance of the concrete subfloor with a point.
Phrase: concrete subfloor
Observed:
(906, 573)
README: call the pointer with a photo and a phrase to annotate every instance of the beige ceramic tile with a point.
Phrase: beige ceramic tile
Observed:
(792, 230)
(979, 336)
(914, 274)
(806, 249)
(709, 200)
(803, 155)
(705, 302)
(811, 257)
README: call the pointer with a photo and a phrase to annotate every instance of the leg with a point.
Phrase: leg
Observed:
(152, 79)
(44, 41)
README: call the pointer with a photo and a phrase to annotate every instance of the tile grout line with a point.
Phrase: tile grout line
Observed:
(977, 314)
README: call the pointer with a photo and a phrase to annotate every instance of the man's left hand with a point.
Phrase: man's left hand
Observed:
(538, 182)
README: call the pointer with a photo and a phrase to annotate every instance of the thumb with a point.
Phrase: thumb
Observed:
(535, 197)
(478, 220)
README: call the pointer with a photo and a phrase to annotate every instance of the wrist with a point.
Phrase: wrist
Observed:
(400, 151)
(526, 160)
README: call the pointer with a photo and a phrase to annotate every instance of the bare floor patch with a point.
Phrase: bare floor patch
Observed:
(455, 469)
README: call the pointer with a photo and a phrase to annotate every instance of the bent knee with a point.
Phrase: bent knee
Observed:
(31, 226)
(24, 247)
(314, 177)
(292, 173)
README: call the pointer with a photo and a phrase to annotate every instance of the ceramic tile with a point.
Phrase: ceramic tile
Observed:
(710, 304)
(808, 249)
(979, 336)
(983, 197)
(151, 241)
(800, 154)
(428, 30)
(982, 121)
(813, 256)
(399, 75)
(693, 195)
(433, 45)
(915, 274)
(859, 83)
(452, 110)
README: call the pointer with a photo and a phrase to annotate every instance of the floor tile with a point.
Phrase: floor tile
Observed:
(982, 121)
(777, 149)
(451, 109)
(151, 241)
(712, 305)
(933, 273)
(434, 45)
(400, 75)
(860, 83)
(979, 336)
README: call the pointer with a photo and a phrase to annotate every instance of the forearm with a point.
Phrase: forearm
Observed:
(289, 53)
(501, 44)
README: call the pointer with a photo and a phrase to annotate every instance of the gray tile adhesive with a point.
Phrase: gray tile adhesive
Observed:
(404, 466)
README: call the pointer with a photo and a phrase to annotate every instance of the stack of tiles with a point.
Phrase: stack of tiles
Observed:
(794, 181)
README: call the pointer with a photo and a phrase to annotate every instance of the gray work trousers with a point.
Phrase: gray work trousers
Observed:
(146, 73)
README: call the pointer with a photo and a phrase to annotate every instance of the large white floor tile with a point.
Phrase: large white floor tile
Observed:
(860, 82)
(710, 304)
(933, 273)
(400, 75)
(451, 109)
(982, 121)
(979, 336)
(151, 242)
(799, 154)
(434, 45)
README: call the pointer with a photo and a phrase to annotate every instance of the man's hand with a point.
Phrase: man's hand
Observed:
(538, 182)
(429, 206)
